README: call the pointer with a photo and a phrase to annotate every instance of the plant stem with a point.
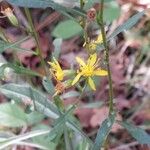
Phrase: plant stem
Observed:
(82, 21)
(36, 37)
(100, 21)
(81, 4)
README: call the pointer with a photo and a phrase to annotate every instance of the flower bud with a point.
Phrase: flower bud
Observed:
(9, 14)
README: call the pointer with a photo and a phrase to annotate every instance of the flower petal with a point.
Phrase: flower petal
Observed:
(56, 70)
(99, 39)
(57, 63)
(59, 75)
(80, 61)
(51, 64)
(92, 60)
(91, 83)
(100, 72)
(76, 79)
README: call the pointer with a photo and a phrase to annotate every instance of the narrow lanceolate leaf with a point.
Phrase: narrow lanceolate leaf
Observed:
(28, 144)
(45, 4)
(15, 45)
(127, 25)
(57, 47)
(32, 4)
(17, 69)
(16, 139)
(75, 128)
(60, 123)
(28, 95)
(48, 85)
(139, 134)
(103, 132)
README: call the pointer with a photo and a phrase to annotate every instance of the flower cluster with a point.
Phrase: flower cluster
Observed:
(87, 70)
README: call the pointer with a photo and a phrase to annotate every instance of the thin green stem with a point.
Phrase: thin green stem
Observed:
(81, 4)
(100, 21)
(36, 36)
(83, 21)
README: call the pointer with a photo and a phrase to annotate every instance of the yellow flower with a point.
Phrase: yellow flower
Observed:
(56, 70)
(89, 70)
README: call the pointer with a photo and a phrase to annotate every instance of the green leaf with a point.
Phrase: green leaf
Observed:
(17, 69)
(70, 94)
(103, 132)
(67, 29)
(5, 45)
(57, 47)
(17, 139)
(45, 4)
(57, 130)
(89, 4)
(11, 115)
(114, 9)
(44, 140)
(31, 4)
(82, 145)
(6, 137)
(75, 128)
(48, 85)
(139, 134)
(93, 105)
(63, 117)
(34, 117)
(127, 25)
(26, 93)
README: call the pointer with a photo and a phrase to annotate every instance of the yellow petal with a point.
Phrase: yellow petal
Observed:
(99, 39)
(50, 63)
(53, 65)
(56, 62)
(59, 75)
(91, 83)
(76, 79)
(80, 61)
(100, 72)
(92, 60)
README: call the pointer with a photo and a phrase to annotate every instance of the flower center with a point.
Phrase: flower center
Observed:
(87, 71)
